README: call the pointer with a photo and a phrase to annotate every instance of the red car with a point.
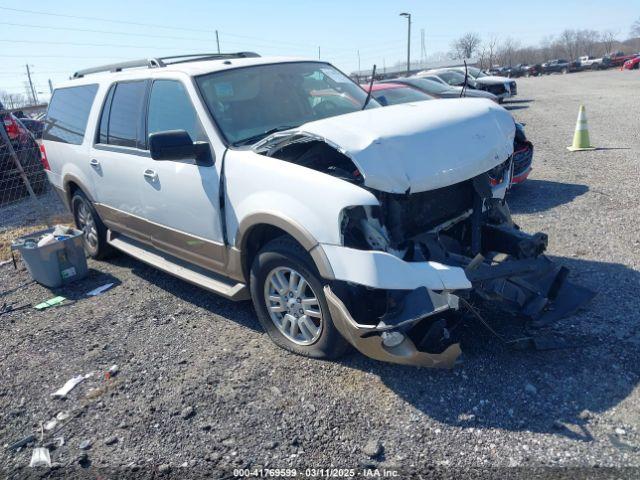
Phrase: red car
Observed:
(632, 63)
(618, 59)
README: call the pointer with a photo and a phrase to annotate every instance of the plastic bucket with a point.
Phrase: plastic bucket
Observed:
(54, 264)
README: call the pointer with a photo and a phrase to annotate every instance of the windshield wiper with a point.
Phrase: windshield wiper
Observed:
(256, 138)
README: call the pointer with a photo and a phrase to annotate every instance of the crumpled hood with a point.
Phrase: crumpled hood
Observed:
(493, 79)
(421, 146)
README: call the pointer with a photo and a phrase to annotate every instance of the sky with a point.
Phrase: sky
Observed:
(57, 38)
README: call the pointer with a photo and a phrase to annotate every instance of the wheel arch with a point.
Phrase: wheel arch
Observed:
(258, 229)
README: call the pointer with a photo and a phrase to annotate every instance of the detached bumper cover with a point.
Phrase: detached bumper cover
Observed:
(368, 340)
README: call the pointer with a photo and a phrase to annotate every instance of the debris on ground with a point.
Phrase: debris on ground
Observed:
(85, 445)
(21, 443)
(112, 372)
(50, 303)
(70, 385)
(373, 448)
(51, 424)
(100, 290)
(40, 458)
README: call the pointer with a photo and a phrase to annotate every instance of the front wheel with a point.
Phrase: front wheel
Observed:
(287, 294)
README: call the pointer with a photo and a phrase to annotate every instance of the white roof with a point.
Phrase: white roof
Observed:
(188, 68)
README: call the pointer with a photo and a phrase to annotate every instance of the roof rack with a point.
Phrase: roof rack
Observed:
(158, 62)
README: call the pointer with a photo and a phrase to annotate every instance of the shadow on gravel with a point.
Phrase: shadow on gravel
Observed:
(240, 312)
(539, 195)
(552, 391)
(514, 107)
(523, 100)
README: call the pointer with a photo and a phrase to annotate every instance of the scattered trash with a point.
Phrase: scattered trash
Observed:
(100, 290)
(112, 372)
(50, 303)
(85, 445)
(40, 458)
(111, 440)
(48, 239)
(59, 441)
(21, 443)
(70, 385)
(62, 416)
(51, 424)
(6, 308)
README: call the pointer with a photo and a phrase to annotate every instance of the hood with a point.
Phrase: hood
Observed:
(471, 93)
(493, 79)
(420, 146)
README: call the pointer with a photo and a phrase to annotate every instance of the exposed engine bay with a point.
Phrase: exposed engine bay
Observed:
(466, 225)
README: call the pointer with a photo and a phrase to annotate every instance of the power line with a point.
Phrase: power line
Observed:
(104, 20)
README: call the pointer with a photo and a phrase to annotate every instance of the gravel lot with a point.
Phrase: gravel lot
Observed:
(202, 390)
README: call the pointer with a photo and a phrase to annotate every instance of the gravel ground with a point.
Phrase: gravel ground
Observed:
(202, 390)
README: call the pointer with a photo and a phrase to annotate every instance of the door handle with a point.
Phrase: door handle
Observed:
(94, 163)
(151, 174)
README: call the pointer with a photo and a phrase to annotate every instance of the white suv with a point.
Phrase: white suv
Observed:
(279, 180)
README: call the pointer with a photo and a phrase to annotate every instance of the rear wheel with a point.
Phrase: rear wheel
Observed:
(94, 231)
(287, 293)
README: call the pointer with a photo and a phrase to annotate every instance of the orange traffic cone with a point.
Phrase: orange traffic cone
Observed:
(581, 136)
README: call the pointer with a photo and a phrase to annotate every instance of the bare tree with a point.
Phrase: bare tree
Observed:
(608, 39)
(466, 46)
(635, 29)
(13, 100)
(507, 50)
(586, 41)
(569, 42)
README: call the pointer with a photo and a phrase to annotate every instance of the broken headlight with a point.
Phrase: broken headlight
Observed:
(361, 227)
(500, 173)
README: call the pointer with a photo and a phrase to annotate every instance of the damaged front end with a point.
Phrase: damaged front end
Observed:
(440, 238)
(460, 227)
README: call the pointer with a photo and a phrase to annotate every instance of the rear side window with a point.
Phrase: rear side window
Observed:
(121, 119)
(170, 108)
(68, 113)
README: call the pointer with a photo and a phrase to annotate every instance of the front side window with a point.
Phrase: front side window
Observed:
(68, 113)
(249, 103)
(170, 108)
(124, 113)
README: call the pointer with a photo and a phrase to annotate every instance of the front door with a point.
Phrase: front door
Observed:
(180, 198)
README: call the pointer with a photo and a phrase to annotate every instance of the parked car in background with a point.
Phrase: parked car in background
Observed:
(588, 62)
(452, 78)
(501, 87)
(617, 59)
(632, 63)
(390, 93)
(28, 153)
(34, 126)
(559, 66)
(532, 70)
(439, 89)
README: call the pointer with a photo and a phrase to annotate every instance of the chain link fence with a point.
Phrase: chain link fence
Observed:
(27, 201)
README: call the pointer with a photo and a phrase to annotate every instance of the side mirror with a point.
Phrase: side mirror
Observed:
(177, 145)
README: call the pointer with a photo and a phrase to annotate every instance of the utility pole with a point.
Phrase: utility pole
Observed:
(358, 61)
(218, 41)
(50, 86)
(408, 16)
(423, 49)
(34, 98)
(318, 53)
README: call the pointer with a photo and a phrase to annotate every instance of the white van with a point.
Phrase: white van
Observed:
(280, 180)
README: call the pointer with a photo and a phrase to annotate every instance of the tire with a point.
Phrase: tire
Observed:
(85, 216)
(276, 260)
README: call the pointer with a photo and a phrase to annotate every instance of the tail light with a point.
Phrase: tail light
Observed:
(11, 127)
(43, 158)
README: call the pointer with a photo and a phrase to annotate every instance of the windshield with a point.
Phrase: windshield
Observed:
(249, 103)
(396, 95)
(453, 78)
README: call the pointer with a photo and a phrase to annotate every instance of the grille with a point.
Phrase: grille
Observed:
(496, 89)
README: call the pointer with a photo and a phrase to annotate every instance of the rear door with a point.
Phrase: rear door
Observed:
(181, 199)
(119, 158)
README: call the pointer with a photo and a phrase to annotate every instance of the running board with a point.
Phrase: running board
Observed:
(185, 271)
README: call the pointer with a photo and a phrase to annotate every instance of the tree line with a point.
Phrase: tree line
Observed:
(569, 45)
